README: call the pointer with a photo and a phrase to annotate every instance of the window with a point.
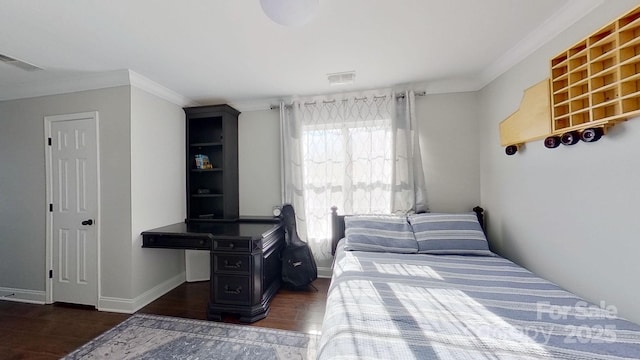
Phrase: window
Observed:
(360, 154)
(349, 165)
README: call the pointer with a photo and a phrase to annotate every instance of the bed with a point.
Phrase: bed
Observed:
(453, 299)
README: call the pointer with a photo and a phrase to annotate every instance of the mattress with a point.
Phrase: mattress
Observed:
(419, 306)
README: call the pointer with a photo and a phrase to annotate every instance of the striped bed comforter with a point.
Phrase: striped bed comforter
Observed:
(418, 306)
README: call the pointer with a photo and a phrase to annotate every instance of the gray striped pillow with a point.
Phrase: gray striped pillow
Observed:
(455, 234)
(379, 233)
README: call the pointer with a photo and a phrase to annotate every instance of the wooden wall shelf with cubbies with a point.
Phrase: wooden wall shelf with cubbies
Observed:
(596, 82)
(594, 85)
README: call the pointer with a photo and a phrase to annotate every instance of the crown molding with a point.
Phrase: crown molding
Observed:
(158, 90)
(93, 81)
(572, 12)
(255, 105)
(65, 85)
(561, 20)
(451, 85)
(568, 15)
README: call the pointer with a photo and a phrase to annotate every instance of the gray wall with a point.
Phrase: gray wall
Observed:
(157, 187)
(449, 147)
(141, 144)
(448, 129)
(568, 214)
(259, 162)
(22, 186)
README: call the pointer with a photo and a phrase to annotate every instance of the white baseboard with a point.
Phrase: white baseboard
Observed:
(118, 305)
(22, 295)
(325, 272)
(129, 306)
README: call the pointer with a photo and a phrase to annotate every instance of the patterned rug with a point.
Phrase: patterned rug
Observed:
(161, 337)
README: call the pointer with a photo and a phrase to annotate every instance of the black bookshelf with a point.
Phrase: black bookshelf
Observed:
(212, 193)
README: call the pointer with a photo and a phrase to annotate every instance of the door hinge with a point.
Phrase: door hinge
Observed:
(50, 207)
(49, 141)
(50, 274)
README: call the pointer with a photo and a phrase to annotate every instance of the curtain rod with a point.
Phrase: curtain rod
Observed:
(399, 96)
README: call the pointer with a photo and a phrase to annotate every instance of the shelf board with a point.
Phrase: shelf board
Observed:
(204, 144)
(629, 115)
(577, 97)
(562, 77)
(631, 60)
(604, 56)
(630, 78)
(606, 87)
(611, 37)
(630, 43)
(631, 25)
(206, 195)
(608, 71)
(562, 63)
(578, 112)
(607, 120)
(580, 82)
(559, 91)
(582, 67)
(207, 170)
(580, 53)
(605, 103)
(632, 95)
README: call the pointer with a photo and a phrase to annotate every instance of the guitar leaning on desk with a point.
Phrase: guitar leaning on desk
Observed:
(245, 261)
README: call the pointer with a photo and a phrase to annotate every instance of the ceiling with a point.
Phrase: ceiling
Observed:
(214, 51)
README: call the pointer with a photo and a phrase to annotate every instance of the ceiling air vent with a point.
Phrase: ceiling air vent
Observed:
(342, 78)
(18, 63)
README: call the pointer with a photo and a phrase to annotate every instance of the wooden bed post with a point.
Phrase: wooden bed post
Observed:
(480, 214)
(337, 228)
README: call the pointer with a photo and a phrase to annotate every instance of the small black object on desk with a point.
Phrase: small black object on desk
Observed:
(245, 261)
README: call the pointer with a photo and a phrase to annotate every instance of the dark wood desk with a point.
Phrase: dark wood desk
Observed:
(245, 261)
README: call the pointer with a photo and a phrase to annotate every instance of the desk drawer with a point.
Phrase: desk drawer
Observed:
(176, 242)
(232, 245)
(231, 290)
(232, 263)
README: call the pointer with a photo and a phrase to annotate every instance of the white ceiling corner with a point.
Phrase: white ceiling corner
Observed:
(63, 85)
(567, 15)
(158, 90)
(94, 81)
(81, 46)
(255, 105)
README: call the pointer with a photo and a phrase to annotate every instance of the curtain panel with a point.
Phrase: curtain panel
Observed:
(360, 154)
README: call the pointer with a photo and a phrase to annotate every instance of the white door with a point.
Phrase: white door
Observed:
(74, 190)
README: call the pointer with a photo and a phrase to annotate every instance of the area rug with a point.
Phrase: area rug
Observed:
(160, 337)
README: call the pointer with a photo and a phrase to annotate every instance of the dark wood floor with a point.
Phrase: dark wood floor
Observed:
(52, 331)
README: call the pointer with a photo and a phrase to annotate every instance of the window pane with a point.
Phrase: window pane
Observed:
(348, 165)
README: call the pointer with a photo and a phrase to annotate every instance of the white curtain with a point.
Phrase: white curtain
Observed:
(360, 154)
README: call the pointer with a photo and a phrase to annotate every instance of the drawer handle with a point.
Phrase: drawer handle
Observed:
(227, 290)
(237, 265)
(231, 245)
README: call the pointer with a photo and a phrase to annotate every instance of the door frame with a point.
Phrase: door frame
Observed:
(48, 121)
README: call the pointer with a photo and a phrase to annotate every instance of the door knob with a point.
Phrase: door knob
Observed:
(88, 222)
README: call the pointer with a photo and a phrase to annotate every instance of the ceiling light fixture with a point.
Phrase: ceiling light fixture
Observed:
(290, 12)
